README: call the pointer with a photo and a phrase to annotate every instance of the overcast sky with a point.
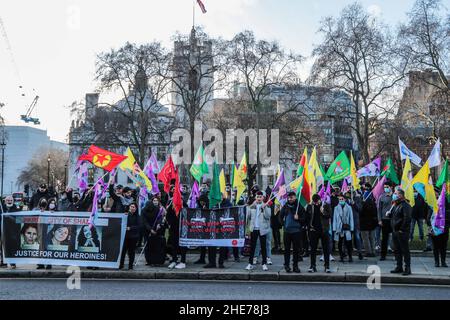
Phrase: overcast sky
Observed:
(54, 42)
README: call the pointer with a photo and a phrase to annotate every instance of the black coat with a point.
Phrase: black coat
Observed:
(420, 209)
(401, 217)
(149, 216)
(368, 219)
(319, 221)
(37, 196)
(135, 224)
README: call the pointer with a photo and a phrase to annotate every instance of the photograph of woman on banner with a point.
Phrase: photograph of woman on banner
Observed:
(88, 239)
(59, 238)
(29, 237)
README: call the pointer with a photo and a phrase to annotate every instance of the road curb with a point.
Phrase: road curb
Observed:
(345, 277)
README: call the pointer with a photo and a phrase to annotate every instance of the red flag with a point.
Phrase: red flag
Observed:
(202, 6)
(177, 200)
(167, 173)
(102, 158)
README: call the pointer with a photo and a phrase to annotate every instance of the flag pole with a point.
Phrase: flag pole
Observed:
(193, 13)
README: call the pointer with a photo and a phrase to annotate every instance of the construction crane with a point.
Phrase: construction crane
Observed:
(27, 117)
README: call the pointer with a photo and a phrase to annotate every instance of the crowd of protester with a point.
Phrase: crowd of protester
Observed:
(352, 222)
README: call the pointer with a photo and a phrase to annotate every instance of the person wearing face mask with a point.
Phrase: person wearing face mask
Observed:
(318, 221)
(384, 205)
(155, 225)
(41, 193)
(52, 205)
(343, 226)
(63, 201)
(401, 225)
(8, 206)
(258, 220)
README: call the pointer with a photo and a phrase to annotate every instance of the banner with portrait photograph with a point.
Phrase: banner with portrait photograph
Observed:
(63, 238)
(212, 227)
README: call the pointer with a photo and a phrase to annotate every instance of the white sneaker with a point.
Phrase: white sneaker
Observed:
(321, 258)
(331, 258)
(264, 267)
(269, 261)
(172, 265)
(181, 265)
(255, 260)
(249, 267)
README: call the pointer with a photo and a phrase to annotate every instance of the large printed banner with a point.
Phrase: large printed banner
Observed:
(63, 238)
(212, 227)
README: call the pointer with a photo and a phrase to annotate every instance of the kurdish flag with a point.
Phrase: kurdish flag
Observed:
(303, 189)
(339, 168)
(199, 166)
(101, 158)
(389, 171)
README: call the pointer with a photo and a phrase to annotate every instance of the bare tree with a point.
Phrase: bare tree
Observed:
(359, 56)
(259, 66)
(139, 75)
(36, 171)
(425, 39)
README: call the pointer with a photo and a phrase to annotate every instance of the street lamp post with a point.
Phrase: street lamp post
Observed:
(65, 176)
(48, 171)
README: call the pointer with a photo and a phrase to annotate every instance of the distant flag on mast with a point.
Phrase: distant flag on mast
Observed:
(202, 6)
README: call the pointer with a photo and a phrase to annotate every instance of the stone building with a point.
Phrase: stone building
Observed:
(109, 127)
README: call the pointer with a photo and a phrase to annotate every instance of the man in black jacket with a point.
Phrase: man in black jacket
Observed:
(401, 225)
(292, 217)
(318, 222)
(418, 215)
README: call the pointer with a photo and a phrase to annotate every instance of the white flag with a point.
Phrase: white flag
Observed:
(405, 152)
(434, 159)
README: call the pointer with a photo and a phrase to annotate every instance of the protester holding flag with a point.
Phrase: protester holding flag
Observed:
(343, 226)
(318, 222)
(258, 221)
(134, 225)
(175, 205)
(439, 224)
(384, 206)
(292, 217)
(401, 223)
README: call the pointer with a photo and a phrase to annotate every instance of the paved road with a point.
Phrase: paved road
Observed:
(206, 290)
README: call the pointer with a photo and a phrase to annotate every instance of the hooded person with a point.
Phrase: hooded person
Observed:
(155, 225)
(41, 193)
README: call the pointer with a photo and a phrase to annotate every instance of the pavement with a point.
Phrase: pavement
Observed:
(154, 290)
(423, 272)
